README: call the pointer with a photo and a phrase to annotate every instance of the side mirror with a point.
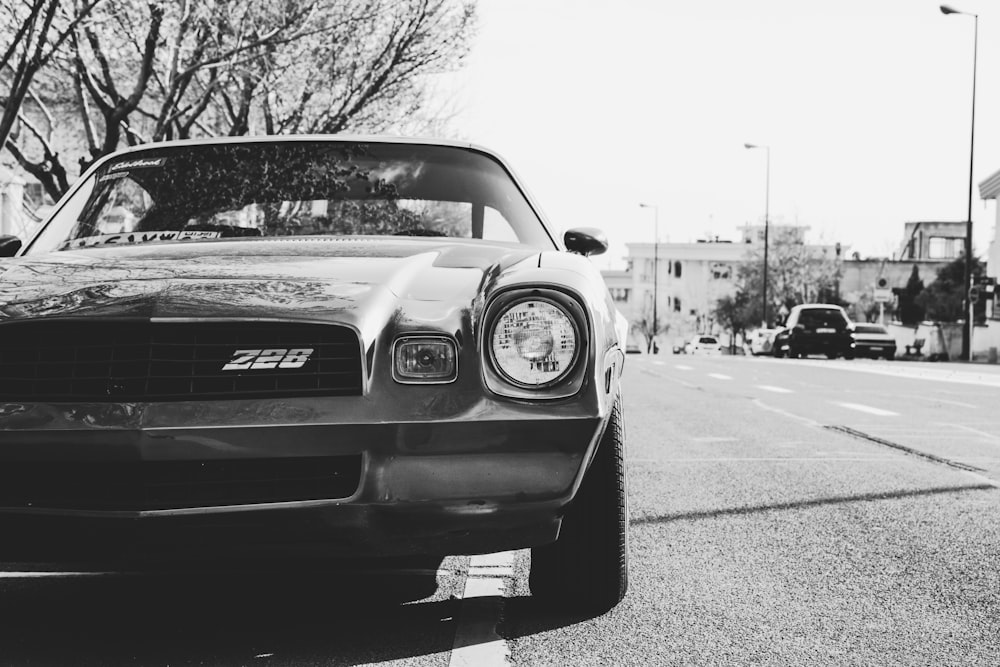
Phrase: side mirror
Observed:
(9, 245)
(586, 241)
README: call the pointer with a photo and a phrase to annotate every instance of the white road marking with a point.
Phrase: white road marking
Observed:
(53, 575)
(659, 363)
(683, 368)
(784, 413)
(720, 376)
(935, 399)
(476, 640)
(770, 459)
(984, 434)
(777, 390)
(868, 409)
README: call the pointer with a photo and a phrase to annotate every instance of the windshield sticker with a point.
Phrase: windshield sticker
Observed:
(136, 238)
(141, 163)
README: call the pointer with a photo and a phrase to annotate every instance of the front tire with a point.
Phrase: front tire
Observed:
(587, 568)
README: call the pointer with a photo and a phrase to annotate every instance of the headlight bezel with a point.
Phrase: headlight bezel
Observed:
(567, 384)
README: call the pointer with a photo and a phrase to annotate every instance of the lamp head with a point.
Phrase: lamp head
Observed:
(945, 9)
(749, 146)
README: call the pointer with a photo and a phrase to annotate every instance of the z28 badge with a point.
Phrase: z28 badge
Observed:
(255, 360)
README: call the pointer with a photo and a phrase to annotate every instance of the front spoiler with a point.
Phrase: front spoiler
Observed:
(448, 487)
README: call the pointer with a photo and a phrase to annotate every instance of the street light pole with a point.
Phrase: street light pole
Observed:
(767, 198)
(656, 260)
(967, 329)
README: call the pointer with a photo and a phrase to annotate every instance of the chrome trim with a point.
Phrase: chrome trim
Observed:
(488, 343)
(569, 383)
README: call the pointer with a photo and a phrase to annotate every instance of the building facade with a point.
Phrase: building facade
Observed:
(686, 280)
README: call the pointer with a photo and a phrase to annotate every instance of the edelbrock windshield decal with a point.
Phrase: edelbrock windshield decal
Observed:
(136, 238)
(256, 360)
(140, 163)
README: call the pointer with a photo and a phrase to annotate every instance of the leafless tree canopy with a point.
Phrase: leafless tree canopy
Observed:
(127, 71)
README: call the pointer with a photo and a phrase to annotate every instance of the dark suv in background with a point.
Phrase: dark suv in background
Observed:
(815, 328)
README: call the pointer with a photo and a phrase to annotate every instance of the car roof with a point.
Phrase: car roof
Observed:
(817, 306)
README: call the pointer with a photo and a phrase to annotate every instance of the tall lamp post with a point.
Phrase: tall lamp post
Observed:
(967, 329)
(767, 197)
(656, 261)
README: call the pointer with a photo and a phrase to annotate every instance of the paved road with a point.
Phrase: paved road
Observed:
(784, 512)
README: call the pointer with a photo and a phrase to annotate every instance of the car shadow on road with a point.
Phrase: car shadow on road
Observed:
(219, 618)
(800, 504)
(524, 616)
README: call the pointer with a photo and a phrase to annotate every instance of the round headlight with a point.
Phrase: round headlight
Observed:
(534, 343)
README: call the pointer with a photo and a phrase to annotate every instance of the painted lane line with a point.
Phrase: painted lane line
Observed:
(720, 376)
(983, 434)
(683, 368)
(659, 363)
(476, 639)
(935, 399)
(491, 572)
(776, 390)
(784, 413)
(773, 459)
(867, 409)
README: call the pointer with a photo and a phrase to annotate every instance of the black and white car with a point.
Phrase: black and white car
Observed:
(815, 328)
(873, 340)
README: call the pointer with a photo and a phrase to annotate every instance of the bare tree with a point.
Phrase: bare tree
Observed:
(40, 28)
(371, 57)
(150, 71)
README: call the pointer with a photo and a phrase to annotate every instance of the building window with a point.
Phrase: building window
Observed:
(677, 305)
(722, 271)
(677, 269)
(939, 247)
(619, 294)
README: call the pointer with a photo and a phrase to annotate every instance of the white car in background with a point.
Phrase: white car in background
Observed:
(760, 341)
(703, 344)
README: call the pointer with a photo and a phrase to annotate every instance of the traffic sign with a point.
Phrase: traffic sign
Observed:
(883, 295)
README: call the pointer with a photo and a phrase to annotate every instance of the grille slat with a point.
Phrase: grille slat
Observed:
(130, 360)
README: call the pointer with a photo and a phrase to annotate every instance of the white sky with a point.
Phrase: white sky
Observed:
(601, 104)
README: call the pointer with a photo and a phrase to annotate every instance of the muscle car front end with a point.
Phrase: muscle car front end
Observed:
(346, 347)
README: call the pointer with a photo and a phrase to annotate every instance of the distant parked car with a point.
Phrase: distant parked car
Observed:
(872, 340)
(815, 328)
(761, 340)
(703, 345)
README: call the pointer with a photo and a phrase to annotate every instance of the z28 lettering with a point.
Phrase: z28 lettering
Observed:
(255, 360)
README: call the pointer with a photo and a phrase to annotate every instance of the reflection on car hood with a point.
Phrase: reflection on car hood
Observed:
(331, 279)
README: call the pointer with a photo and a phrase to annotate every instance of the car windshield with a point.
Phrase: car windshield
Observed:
(708, 340)
(294, 188)
(869, 329)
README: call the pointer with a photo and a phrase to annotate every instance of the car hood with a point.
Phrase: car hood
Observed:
(314, 279)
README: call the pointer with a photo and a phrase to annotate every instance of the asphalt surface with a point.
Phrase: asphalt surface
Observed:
(784, 512)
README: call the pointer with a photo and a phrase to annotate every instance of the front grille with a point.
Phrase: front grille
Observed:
(164, 485)
(130, 360)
